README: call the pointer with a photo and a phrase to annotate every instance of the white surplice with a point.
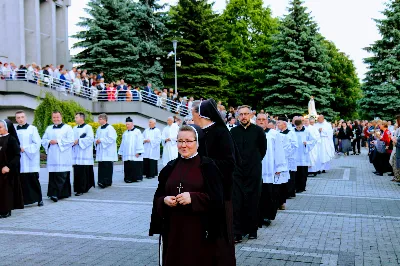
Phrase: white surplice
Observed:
(106, 150)
(83, 151)
(326, 147)
(170, 150)
(290, 146)
(30, 140)
(131, 144)
(59, 156)
(274, 160)
(314, 153)
(302, 154)
(152, 148)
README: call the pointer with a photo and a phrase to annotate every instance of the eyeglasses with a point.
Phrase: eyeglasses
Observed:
(187, 142)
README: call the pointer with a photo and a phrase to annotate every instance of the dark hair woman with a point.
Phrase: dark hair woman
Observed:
(188, 207)
(345, 135)
(10, 186)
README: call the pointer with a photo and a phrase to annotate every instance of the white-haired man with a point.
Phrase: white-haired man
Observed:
(326, 147)
(152, 140)
(169, 138)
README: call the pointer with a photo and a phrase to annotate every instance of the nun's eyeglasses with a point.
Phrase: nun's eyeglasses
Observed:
(187, 142)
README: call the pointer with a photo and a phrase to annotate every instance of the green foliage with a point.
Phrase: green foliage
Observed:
(68, 109)
(382, 82)
(299, 67)
(246, 42)
(122, 38)
(196, 28)
(344, 82)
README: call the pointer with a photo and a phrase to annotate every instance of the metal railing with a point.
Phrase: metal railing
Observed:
(98, 93)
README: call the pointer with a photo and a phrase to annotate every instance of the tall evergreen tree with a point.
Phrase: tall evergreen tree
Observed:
(196, 27)
(382, 82)
(246, 42)
(122, 38)
(299, 67)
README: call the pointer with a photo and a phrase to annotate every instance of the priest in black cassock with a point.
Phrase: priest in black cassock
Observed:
(131, 150)
(219, 145)
(10, 186)
(252, 145)
(30, 143)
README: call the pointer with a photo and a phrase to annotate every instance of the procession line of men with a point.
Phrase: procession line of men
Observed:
(70, 148)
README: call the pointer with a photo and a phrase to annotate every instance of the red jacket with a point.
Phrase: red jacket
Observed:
(386, 137)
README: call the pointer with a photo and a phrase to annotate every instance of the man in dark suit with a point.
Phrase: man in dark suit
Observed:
(122, 88)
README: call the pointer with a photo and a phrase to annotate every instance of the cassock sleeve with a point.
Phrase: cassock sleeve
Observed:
(121, 147)
(87, 141)
(139, 149)
(200, 201)
(66, 140)
(33, 147)
(155, 142)
(110, 138)
(310, 142)
(46, 141)
(13, 155)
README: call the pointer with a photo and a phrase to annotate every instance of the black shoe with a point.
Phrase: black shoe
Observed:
(375, 172)
(40, 204)
(55, 199)
(324, 172)
(253, 235)
(319, 172)
(238, 239)
(101, 185)
(128, 181)
(266, 222)
(78, 194)
(379, 174)
(8, 214)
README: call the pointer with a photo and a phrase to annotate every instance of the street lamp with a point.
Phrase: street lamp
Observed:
(175, 44)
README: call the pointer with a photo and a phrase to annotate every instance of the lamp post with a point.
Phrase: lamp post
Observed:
(175, 44)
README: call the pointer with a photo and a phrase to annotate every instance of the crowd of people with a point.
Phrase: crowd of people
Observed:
(92, 86)
(221, 180)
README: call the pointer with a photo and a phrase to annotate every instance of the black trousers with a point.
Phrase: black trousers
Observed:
(381, 163)
(105, 173)
(269, 202)
(150, 168)
(59, 185)
(291, 184)
(301, 178)
(357, 142)
(246, 198)
(31, 188)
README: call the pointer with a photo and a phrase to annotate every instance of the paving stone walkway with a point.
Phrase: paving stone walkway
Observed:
(347, 216)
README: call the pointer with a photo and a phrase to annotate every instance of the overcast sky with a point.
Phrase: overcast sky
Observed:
(348, 23)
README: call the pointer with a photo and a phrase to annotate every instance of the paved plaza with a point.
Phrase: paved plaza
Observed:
(347, 216)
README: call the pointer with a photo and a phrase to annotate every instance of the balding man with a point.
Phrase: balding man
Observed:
(169, 138)
(152, 140)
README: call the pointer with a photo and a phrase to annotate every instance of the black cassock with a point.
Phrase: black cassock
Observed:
(133, 171)
(83, 178)
(10, 186)
(247, 179)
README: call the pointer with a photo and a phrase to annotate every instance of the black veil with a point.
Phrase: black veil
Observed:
(208, 109)
(11, 129)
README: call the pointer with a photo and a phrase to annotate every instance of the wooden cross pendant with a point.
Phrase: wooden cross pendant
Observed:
(179, 188)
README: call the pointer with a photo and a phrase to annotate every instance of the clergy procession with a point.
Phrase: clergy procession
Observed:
(220, 182)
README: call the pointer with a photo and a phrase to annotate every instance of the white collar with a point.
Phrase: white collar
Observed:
(194, 155)
(5, 135)
(212, 123)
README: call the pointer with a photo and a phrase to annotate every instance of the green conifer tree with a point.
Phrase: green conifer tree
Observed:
(122, 38)
(299, 67)
(382, 82)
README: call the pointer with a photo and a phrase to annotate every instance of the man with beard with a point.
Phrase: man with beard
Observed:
(218, 145)
(252, 145)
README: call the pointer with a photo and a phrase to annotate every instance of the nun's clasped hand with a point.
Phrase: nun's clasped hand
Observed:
(184, 198)
(5, 170)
